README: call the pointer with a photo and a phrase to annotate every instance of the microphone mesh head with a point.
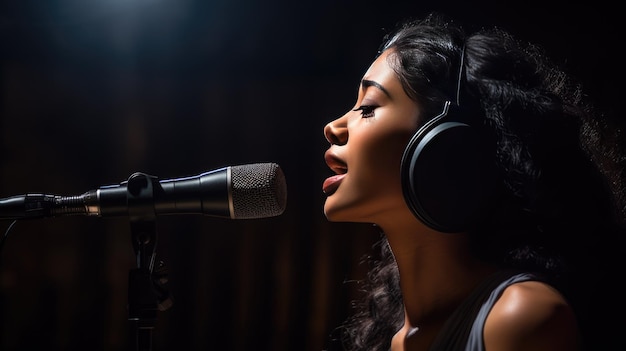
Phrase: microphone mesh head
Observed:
(258, 190)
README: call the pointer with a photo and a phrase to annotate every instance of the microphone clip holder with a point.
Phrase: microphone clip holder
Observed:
(146, 294)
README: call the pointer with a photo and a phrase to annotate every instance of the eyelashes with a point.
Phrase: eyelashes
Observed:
(366, 110)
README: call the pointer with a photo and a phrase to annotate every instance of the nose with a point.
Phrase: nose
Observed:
(336, 132)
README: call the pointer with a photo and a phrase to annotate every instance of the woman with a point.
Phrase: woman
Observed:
(480, 164)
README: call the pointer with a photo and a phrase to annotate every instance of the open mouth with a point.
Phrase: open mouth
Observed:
(339, 167)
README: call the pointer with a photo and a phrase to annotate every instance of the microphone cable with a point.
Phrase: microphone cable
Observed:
(5, 236)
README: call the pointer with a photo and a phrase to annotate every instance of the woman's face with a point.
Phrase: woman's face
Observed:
(366, 149)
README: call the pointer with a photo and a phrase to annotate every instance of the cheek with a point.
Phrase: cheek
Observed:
(381, 158)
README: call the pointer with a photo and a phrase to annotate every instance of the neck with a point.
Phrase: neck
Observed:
(437, 272)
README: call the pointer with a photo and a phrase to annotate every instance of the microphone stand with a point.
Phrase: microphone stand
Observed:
(145, 291)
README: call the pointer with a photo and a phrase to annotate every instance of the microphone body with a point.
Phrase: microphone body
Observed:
(236, 192)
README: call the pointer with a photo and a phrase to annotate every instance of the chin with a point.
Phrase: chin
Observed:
(337, 215)
(328, 214)
(331, 214)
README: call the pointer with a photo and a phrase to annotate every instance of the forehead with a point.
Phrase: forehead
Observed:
(380, 68)
(381, 72)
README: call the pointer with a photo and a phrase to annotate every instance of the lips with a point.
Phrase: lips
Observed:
(332, 183)
(337, 165)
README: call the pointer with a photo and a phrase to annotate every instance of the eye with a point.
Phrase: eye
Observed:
(367, 111)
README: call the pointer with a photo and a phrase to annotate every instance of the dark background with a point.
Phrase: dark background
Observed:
(93, 91)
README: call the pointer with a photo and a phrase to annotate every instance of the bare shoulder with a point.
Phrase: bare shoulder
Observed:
(534, 316)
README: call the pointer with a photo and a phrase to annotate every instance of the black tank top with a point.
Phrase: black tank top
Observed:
(464, 328)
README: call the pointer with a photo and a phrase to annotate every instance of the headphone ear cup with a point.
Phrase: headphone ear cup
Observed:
(448, 177)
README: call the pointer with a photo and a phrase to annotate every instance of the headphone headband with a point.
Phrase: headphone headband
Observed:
(460, 76)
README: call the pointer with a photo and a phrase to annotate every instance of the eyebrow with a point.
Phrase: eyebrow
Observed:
(370, 83)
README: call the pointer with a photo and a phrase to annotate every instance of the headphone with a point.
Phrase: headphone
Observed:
(448, 177)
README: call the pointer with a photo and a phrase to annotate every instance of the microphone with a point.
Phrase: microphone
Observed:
(237, 192)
